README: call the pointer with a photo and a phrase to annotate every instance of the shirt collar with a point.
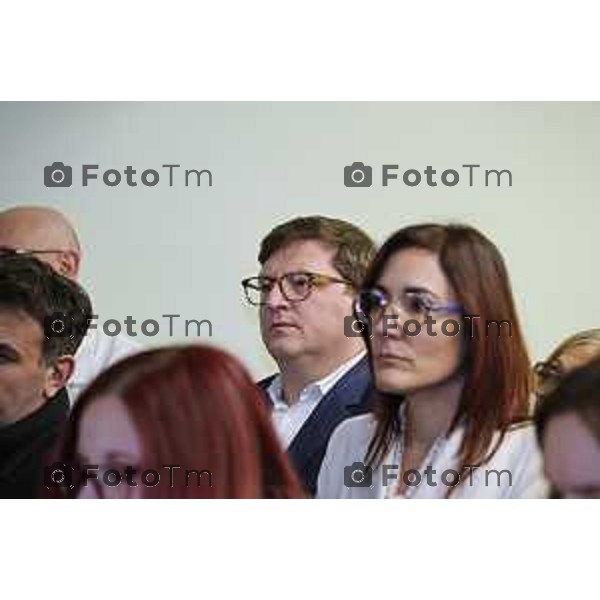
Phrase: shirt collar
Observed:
(322, 386)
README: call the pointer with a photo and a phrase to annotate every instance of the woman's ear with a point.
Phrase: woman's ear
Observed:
(58, 375)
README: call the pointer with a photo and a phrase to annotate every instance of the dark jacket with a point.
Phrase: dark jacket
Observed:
(25, 448)
(350, 396)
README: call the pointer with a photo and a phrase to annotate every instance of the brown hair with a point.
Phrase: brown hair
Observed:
(196, 407)
(51, 300)
(496, 367)
(546, 371)
(578, 392)
(354, 248)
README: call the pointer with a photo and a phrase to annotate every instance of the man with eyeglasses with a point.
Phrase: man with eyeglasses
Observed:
(311, 269)
(47, 235)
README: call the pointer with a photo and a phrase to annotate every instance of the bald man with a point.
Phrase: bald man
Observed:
(47, 234)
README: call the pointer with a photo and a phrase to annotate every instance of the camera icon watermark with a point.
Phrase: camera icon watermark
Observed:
(58, 175)
(358, 175)
(358, 475)
(58, 475)
(68, 325)
(58, 325)
(355, 327)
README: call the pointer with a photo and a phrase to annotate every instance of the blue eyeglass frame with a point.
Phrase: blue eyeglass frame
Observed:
(385, 300)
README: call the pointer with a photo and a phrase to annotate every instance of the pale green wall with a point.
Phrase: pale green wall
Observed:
(151, 251)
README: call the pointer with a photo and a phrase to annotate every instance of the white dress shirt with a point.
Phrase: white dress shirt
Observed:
(97, 352)
(288, 419)
(518, 454)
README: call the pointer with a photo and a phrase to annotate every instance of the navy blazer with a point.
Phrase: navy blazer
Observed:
(350, 396)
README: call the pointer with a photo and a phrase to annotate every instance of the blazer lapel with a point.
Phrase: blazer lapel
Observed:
(350, 396)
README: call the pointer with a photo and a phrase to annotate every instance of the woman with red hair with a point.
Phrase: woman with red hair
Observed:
(181, 422)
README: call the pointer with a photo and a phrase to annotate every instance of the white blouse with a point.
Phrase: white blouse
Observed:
(514, 471)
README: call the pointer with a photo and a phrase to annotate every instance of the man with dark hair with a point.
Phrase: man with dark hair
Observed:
(311, 268)
(43, 319)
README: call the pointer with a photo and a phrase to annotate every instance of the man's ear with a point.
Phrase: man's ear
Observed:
(58, 374)
(68, 264)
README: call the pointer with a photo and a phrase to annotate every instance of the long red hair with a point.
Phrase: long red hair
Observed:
(197, 407)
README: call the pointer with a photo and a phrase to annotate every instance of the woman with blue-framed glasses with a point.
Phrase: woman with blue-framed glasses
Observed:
(452, 375)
